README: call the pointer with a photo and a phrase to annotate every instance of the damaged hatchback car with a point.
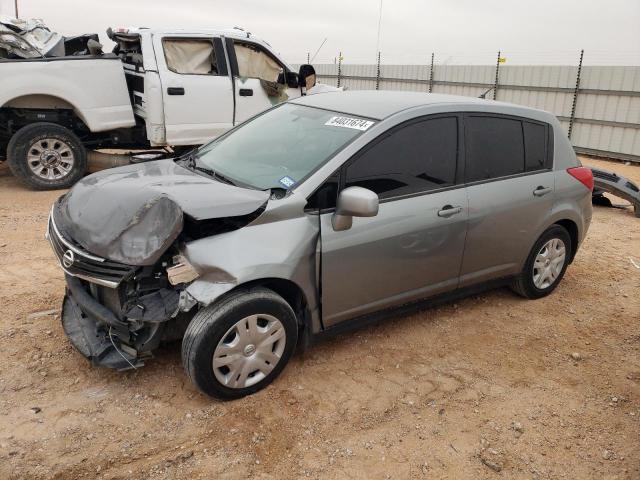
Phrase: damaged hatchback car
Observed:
(317, 215)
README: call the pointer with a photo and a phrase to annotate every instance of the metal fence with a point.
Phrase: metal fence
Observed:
(599, 106)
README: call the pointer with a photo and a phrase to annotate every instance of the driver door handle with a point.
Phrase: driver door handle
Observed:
(448, 211)
(541, 191)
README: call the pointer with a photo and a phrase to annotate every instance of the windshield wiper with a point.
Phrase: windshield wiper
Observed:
(190, 162)
(214, 174)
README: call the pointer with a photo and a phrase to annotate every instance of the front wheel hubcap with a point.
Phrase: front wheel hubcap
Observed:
(549, 263)
(249, 351)
(50, 158)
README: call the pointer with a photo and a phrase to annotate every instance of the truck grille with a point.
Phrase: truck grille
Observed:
(79, 263)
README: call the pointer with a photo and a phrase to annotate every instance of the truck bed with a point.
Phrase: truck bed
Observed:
(94, 87)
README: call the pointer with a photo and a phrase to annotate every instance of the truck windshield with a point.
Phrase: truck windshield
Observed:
(279, 148)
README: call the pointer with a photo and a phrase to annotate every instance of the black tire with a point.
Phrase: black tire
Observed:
(524, 284)
(27, 137)
(209, 326)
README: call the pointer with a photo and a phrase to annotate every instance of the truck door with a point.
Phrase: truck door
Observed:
(256, 73)
(197, 90)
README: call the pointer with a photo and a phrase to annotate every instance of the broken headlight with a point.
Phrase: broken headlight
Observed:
(181, 271)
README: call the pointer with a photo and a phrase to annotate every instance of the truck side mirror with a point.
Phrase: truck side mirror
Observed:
(307, 76)
(354, 202)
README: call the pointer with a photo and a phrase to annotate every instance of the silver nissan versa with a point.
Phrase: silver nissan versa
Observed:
(320, 214)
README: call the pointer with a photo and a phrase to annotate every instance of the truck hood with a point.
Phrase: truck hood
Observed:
(133, 214)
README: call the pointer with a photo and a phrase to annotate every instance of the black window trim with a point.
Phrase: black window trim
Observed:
(548, 145)
(218, 50)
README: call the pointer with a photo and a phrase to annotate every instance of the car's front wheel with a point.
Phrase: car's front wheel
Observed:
(546, 264)
(240, 344)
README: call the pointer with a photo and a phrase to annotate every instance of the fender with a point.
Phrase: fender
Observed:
(94, 87)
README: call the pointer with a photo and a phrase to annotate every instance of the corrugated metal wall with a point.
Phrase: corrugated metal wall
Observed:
(607, 116)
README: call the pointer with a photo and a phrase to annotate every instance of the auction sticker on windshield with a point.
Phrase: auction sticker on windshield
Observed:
(348, 122)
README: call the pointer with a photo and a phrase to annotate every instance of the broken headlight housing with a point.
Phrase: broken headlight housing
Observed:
(181, 271)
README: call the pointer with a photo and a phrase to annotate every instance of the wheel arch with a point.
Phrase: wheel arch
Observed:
(287, 289)
(40, 101)
(571, 227)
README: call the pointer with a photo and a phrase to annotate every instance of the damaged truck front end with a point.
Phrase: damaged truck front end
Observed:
(122, 251)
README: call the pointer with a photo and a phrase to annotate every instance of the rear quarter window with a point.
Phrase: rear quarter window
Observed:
(535, 146)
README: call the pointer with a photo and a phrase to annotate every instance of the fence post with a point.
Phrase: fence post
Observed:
(575, 95)
(431, 74)
(378, 73)
(495, 85)
(339, 68)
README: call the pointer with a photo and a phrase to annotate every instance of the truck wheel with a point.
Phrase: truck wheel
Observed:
(240, 344)
(46, 156)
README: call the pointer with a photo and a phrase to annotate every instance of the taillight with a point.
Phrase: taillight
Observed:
(583, 174)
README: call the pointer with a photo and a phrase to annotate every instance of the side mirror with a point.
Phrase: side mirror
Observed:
(354, 202)
(307, 76)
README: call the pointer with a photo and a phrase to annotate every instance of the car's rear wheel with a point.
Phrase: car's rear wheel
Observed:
(46, 156)
(546, 264)
(239, 345)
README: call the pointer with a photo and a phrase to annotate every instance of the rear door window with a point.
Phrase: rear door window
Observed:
(414, 158)
(494, 147)
(190, 56)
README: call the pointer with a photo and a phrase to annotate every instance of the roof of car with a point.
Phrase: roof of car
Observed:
(381, 104)
(235, 32)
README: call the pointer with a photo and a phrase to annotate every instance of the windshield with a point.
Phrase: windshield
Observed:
(280, 148)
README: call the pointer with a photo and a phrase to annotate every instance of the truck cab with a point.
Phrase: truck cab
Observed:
(165, 90)
(190, 87)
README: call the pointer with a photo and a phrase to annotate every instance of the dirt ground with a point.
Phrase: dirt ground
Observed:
(493, 386)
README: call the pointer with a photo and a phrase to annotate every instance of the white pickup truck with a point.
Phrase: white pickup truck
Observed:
(158, 89)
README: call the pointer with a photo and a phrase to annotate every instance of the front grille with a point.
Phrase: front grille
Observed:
(79, 263)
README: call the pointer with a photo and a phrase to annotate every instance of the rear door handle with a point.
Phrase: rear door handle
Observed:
(246, 92)
(541, 191)
(175, 91)
(448, 211)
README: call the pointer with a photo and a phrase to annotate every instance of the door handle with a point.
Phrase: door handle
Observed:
(541, 191)
(246, 92)
(448, 211)
(175, 91)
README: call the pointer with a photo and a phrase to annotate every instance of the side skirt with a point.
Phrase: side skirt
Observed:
(369, 319)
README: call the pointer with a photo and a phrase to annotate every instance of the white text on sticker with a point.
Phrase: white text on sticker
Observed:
(348, 122)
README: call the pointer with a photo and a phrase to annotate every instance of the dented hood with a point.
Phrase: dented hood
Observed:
(133, 214)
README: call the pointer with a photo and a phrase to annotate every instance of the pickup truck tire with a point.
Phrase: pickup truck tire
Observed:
(46, 156)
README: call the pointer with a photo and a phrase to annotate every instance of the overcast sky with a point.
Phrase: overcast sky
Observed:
(458, 31)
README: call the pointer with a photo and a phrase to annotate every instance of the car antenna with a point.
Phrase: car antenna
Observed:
(321, 45)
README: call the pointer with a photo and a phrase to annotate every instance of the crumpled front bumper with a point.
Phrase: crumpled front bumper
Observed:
(95, 331)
